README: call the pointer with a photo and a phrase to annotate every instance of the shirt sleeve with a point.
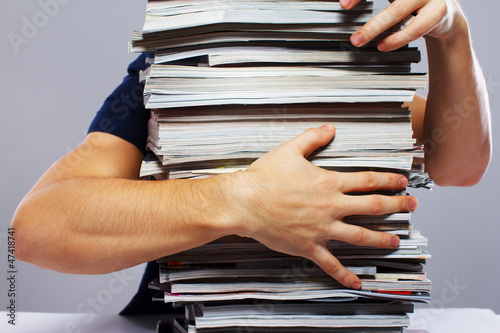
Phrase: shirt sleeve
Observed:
(123, 113)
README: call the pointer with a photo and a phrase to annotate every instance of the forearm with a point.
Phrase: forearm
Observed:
(76, 221)
(457, 132)
(456, 129)
(99, 225)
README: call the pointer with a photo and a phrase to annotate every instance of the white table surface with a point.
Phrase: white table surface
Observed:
(431, 320)
(455, 320)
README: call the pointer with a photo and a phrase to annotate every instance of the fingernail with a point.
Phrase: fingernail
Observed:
(345, 3)
(382, 47)
(328, 127)
(395, 241)
(403, 182)
(356, 285)
(357, 39)
(413, 205)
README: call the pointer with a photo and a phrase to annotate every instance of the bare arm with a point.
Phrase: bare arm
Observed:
(454, 123)
(457, 126)
(90, 214)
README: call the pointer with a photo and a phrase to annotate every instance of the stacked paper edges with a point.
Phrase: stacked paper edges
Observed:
(232, 80)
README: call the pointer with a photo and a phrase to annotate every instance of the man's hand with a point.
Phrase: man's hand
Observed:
(455, 120)
(435, 18)
(282, 200)
(292, 206)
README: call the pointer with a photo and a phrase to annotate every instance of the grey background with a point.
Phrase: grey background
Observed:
(54, 84)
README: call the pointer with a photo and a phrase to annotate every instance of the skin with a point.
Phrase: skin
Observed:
(92, 198)
(457, 107)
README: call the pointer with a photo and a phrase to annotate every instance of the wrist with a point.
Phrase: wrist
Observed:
(238, 195)
(225, 198)
(453, 30)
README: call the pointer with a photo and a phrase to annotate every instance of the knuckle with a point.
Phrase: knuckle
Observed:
(313, 131)
(360, 236)
(397, 10)
(335, 180)
(370, 29)
(345, 279)
(308, 248)
(395, 41)
(335, 208)
(384, 240)
(328, 180)
(377, 205)
(376, 25)
(370, 181)
(394, 179)
(332, 268)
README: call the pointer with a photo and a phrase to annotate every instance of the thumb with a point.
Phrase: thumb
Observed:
(312, 139)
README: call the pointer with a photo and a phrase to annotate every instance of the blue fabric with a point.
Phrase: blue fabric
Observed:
(123, 113)
(142, 302)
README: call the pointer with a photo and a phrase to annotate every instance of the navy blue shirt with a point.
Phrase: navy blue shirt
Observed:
(123, 114)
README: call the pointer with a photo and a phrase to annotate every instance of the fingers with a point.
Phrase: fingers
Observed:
(392, 15)
(312, 139)
(360, 236)
(423, 23)
(377, 204)
(430, 14)
(331, 266)
(348, 4)
(370, 181)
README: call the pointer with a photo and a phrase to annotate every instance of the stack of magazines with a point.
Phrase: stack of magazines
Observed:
(231, 80)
